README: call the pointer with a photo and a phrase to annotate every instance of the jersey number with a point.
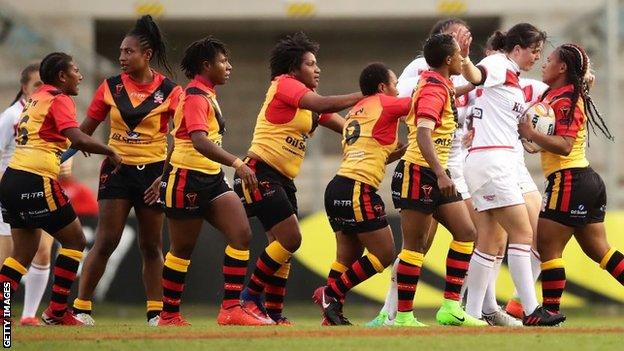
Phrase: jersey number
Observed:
(22, 132)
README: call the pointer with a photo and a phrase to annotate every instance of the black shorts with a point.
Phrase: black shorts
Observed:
(575, 197)
(188, 194)
(274, 200)
(30, 201)
(129, 183)
(353, 207)
(416, 188)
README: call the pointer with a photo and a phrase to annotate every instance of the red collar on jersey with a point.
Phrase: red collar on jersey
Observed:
(204, 82)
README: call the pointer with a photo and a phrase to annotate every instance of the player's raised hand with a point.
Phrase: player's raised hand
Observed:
(464, 39)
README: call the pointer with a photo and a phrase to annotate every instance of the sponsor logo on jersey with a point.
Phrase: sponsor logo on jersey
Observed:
(159, 97)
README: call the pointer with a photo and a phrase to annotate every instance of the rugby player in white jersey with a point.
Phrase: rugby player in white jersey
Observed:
(492, 180)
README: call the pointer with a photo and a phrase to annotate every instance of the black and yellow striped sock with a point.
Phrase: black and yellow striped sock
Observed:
(234, 271)
(335, 272)
(12, 272)
(65, 269)
(408, 274)
(174, 275)
(457, 262)
(613, 262)
(82, 306)
(153, 308)
(553, 283)
(273, 257)
(275, 291)
(364, 268)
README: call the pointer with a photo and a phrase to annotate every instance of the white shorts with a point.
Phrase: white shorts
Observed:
(5, 228)
(455, 166)
(525, 181)
(492, 179)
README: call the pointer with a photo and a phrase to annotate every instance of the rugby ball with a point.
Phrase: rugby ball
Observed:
(543, 118)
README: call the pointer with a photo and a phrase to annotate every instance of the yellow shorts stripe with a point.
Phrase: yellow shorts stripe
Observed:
(246, 193)
(169, 190)
(554, 195)
(47, 191)
(357, 208)
(406, 180)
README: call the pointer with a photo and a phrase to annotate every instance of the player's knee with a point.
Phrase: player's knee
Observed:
(291, 242)
(386, 256)
(241, 239)
(151, 251)
(105, 247)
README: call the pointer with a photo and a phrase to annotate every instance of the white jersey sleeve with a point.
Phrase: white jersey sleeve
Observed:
(532, 89)
(8, 121)
(410, 75)
(495, 72)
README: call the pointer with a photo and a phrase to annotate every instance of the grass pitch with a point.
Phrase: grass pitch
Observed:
(123, 328)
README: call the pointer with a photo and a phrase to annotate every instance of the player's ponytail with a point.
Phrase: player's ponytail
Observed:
(25, 79)
(150, 37)
(523, 34)
(496, 41)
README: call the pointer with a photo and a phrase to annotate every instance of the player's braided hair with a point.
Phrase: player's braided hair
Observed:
(150, 37)
(523, 34)
(52, 65)
(578, 70)
(442, 25)
(205, 49)
(287, 55)
(25, 78)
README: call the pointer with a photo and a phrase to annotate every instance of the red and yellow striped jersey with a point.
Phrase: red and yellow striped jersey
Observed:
(434, 99)
(139, 115)
(282, 128)
(198, 110)
(39, 140)
(369, 136)
(574, 126)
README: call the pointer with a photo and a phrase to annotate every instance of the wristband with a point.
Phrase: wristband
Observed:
(237, 163)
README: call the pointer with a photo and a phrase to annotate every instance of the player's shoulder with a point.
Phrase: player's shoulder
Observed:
(414, 68)
(495, 60)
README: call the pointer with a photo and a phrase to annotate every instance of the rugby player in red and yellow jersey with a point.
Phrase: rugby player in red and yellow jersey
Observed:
(140, 102)
(421, 186)
(355, 211)
(194, 187)
(575, 198)
(32, 199)
(288, 117)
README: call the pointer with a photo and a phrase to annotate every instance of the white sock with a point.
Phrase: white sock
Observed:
(536, 269)
(536, 265)
(519, 260)
(34, 287)
(479, 272)
(392, 297)
(490, 305)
